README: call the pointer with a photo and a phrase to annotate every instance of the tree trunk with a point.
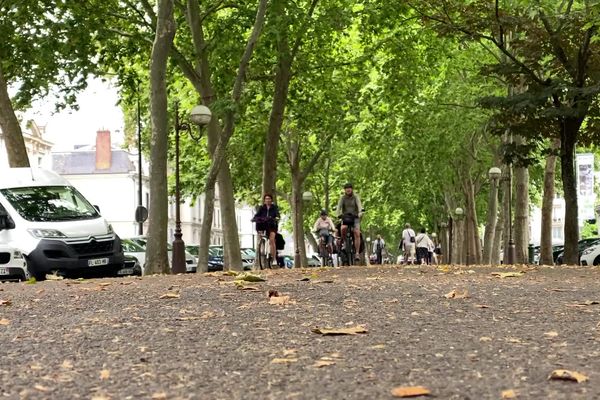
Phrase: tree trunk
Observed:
(506, 205)
(521, 222)
(156, 251)
(282, 81)
(569, 131)
(207, 217)
(499, 232)
(547, 206)
(473, 246)
(9, 124)
(298, 222)
(490, 227)
(230, 230)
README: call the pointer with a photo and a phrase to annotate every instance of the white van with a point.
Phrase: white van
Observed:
(54, 226)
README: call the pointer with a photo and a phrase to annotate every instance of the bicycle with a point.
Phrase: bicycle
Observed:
(348, 250)
(325, 251)
(263, 255)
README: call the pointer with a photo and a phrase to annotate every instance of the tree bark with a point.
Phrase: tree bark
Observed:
(547, 206)
(499, 232)
(569, 130)
(207, 217)
(156, 252)
(490, 227)
(230, 229)
(521, 222)
(9, 124)
(507, 214)
(473, 255)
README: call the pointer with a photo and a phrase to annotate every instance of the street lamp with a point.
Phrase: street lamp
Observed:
(510, 253)
(200, 115)
(459, 212)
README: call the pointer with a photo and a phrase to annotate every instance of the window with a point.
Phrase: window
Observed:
(557, 233)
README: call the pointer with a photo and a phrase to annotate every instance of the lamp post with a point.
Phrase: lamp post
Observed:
(488, 246)
(459, 212)
(200, 115)
(445, 257)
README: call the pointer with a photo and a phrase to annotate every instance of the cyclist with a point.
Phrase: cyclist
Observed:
(349, 209)
(267, 218)
(324, 227)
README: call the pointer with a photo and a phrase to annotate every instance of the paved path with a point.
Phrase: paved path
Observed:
(208, 339)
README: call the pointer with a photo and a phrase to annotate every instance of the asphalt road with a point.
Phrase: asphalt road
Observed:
(209, 339)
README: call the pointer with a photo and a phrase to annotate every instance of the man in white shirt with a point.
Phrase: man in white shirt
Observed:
(407, 244)
(378, 246)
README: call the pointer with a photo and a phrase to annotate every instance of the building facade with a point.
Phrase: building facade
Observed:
(38, 149)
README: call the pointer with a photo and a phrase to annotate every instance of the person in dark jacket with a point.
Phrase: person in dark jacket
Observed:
(267, 218)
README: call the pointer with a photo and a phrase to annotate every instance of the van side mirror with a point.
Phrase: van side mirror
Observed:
(6, 221)
(97, 208)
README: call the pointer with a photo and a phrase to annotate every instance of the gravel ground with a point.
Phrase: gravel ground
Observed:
(209, 339)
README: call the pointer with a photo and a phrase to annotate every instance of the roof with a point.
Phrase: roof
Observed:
(84, 163)
(27, 177)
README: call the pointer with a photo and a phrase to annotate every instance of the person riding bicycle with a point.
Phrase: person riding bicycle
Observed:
(349, 209)
(267, 218)
(324, 227)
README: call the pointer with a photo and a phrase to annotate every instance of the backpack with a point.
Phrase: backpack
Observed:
(279, 242)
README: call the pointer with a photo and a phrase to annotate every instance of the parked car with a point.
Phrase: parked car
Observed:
(131, 248)
(215, 258)
(581, 246)
(12, 264)
(248, 258)
(591, 255)
(54, 226)
(190, 262)
(132, 266)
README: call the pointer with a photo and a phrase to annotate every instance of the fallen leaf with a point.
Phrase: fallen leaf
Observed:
(104, 374)
(67, 364)
(508, 274)
(52, 277)
(564, 374)
(246, 287)
(4, 321)
(100, 397)
(159, 396)
(353, 330)
(323, 363)
(410, 391)
(283, 360)
(485, 339)
(279, 300)
(509, 394)
(41, 388)
(456, 294)
(169, 295)
(230, 273)
(482, 306)
(5, 302)
(105, 284)
(378, 346)
(249, 278)
(551, 334)
(289, 352)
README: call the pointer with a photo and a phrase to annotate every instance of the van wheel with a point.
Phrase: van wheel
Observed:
(39, 276)
(596, 260)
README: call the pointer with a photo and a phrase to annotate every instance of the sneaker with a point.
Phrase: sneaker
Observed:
(357, 258)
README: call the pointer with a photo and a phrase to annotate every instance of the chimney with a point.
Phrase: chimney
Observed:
(103, 150)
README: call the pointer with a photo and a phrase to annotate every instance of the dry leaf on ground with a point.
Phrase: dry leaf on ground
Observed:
(508, 274)
(551, 334)
(41, 388)
(4, 321)
(249, 278)
(104, 374)
(323, 363)
(352, 330)
(509, 394)
(5, 302)
(67, 364)
(457, 294)
(159, 396)
(410, 391)
(564, 374)
(170, 295)
(52, 277)
(279, 300)
(283, 360)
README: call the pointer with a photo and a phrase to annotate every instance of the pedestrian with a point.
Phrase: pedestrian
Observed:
(407, 244)
(423, 243)
(378, 246)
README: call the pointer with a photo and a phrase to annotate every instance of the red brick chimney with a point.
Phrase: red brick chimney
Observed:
(103, 150)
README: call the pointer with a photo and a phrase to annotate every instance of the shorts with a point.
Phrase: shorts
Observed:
(327, 236)
(356, 224)
(267, 227)
(409, 249)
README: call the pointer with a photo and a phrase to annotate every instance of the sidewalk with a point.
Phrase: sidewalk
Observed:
(209, 338)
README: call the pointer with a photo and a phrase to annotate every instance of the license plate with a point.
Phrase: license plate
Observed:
(125, 271)
(3, 271)
(97, 261)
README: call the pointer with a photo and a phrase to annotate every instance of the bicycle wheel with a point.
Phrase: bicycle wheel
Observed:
(262, 254)
(323, 253)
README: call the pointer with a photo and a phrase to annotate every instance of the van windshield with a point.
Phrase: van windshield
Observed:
(50, 203)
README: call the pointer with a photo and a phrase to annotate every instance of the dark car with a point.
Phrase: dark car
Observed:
(215, 258)
(581, 246)
(130, 267)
